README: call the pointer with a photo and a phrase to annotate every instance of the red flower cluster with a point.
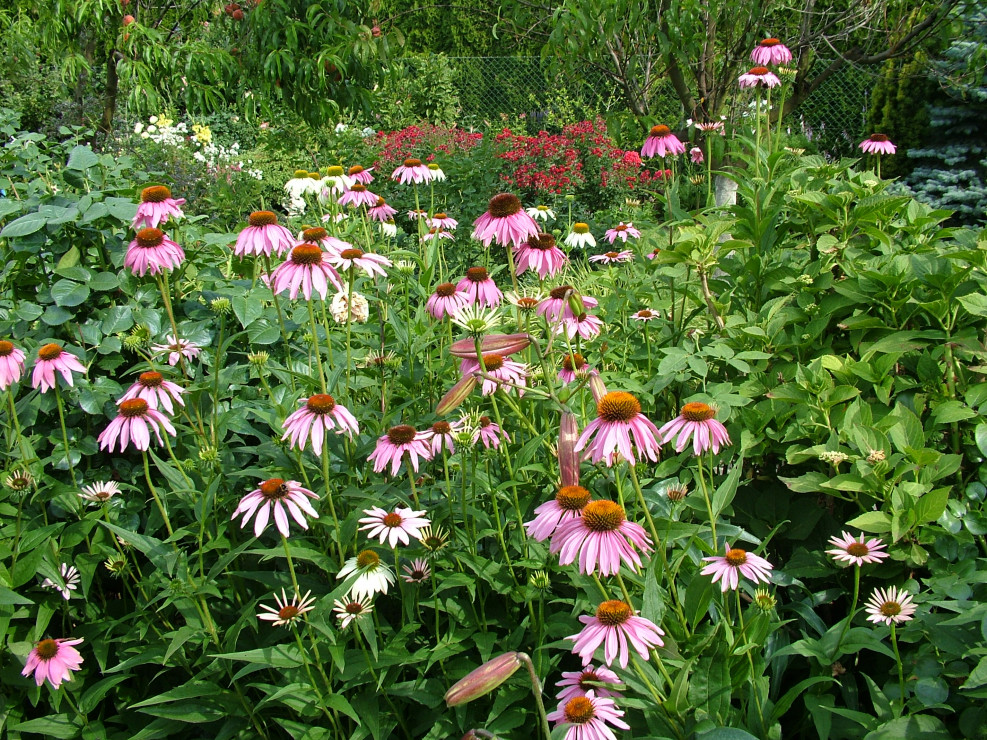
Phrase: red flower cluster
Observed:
(413, 141)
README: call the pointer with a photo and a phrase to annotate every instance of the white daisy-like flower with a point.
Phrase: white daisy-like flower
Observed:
(351, 609)
(70, 581)
(540, 213)
(372, 576)
(579, 237)
(100, 492)
(287, 611)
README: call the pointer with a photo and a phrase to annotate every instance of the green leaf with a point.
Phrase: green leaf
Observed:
(190, 690)
(978, 677)
(709, 691)
(57, 725)
(728, 488)
(975, 303)
(872, 522)
(950, 411)
(916, 727)
(104, 281)
(69, 294)
(56, 316)
(932, 505)
(69, 259)
(726, 733)
(277, 656)
(31, 311)
(981, 436)
(157, 552)
(23, 226)
(82, 158)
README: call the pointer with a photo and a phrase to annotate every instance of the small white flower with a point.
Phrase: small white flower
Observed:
(579, 237)
(360, 312)
(70, 581)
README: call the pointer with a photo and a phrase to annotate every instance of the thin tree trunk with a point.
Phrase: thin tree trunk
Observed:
(110, 96)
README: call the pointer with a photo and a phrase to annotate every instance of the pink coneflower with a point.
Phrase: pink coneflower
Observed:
(540, 254)
(372, 576)
(589, 717)
(696, 155)
(400, 525)
(645, 314)
(318, 235)
(653, 254)
(442, 221)
(417, 572)
(131, 425)
(711, 127)
(601, 538)
(357, 196)
(313, 421)
(263, 236)
(619, 419)
(360, 174)
(372, 264)
(151, 251)
(381, 211)
(480, 288)
(580, 683)
(158, 392)
(696, 420)
(53, 660)
(614, 626)
(100, 492)
(613, 258)
(177, 348)
(416, 214)
(412, 171)
(505, 221)
(52, 358)
(392, 447)
(499, 368)
(446, 300)
(662, 142)
(567, 505)
(436, 232)
(276, 495)
(584, 325)
(288, 612)
(622, 231)
(759, 77)
(11, 364)
(728, 568)
(440, 435)
(771, 51)
(349, 610)
(156, 207)
(878, 144)
(574, 366)
(890, 606)
(489, 433)
(857, 552)
(557, 306)
(307, 268)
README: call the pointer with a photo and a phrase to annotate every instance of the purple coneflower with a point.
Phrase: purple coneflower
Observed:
(645, 314)
(372, 575)
(504, 222)
(540, 254)
(131, 425)
(313, 421)
(156, 207)
(360, 174)
(857, 552)
(306, 268)
(442, 221)
(728, 568)
(349, 610)
(613, 258)
(440, 435)
(288, 612)
(654, 253)
(759, 77)
(436, 232)
(498, 368)
(891, 606)
(263, 236)
(153, 388)
(662, 142)
(399, 525)
(392, 447)
(696, 155)
(589, 717)
(357, 196)
(381, 211)
(417, 572)
(591, 678)
(276, 495)
(771, 51)
(557, 306)
(614, 626)
(417, 213)
(480, 288)
(11, 364)
(372, 264)
(601, 537)
(318, 235)
(622, 231)
(567, 505)
(412, 171)
(878, 144)
(710, 127)
(446, 300)
(584, 325)
(489, 433)
(574, 366)
(619, 419)
(53, 660)
(151, 251)
(178, 348)
(52, 358)
(696, 420)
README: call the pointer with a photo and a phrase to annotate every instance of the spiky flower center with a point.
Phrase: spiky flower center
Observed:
(858, 550)
(503, 205)
(485, 422)
(879, 137)
(493, 362)
(306, 254)
(572, 362)
(401, 434)
(613, 613)
(432, 166)
(612, 255)
(660, 130)
(368, 559)
(262, 218)
(645, 313)
(588, 681)
(133, 407)
(525, 303)
(543, 208)
(890, 608)
(620, 227)
(618, 406)
(770, 42)
(412, 163)
(440, 216)
(392, 520)
(442, 428)
(288, 612)
(155, 194)
(579, 710)
(696, 411)
(351, 254)
(580, 228)
(358, 188)
(572, 498)
(758, 71)
(541, 241)
(354, 607)
(558, 294)
(355, 170)
(445, 290)
(6, 348)
(274, 489)
(50, 352)
(334, 171)
(477, 274)
(47, 649)
(150, 379)
(299, 174)
(150, 237)
(380, 202)
(603, 516)
(677, 493)
(320, 404)
(736, 557)
(314, 234)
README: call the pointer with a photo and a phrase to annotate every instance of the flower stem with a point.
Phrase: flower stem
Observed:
(849, 616)
(284, 331)
(897, 658)
(536, 690)
(332, 506)
(65, 436)
(154, 493)
(315, 341)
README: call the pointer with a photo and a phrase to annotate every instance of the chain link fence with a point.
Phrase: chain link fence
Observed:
(489, 89)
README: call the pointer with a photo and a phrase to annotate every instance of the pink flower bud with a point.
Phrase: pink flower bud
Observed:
(456, 395)
(568, 457)
(596, 386)
(483, 680)
(499, 344)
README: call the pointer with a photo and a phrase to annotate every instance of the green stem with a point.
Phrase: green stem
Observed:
(315, 341)
(332, 506)
(849, 617)
(65, 436)
(536, 690)
(154, 493)
(284, 331)
(901, 671)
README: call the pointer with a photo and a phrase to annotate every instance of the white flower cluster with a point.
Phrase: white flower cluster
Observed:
(217, 158)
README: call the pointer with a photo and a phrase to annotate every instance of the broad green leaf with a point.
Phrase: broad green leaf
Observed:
(82, 158)
(932, 505)
(69, 294)
(23, 226)
(872, 522)
(915, 727)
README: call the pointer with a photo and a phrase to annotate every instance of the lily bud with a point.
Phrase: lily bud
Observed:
(568, 457)
(456, 395)
(596, 385)
(483, 680)
(500, 344)
(576, 303)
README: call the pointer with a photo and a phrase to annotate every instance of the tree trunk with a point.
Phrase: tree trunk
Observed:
(110, 96)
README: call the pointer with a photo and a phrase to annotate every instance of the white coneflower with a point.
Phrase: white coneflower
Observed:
(100, 492)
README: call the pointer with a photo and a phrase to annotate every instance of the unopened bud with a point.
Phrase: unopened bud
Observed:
(568, 457)
(499, 344)
(576, 303)
(483, 680)
(456, 395)
(596, 385)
